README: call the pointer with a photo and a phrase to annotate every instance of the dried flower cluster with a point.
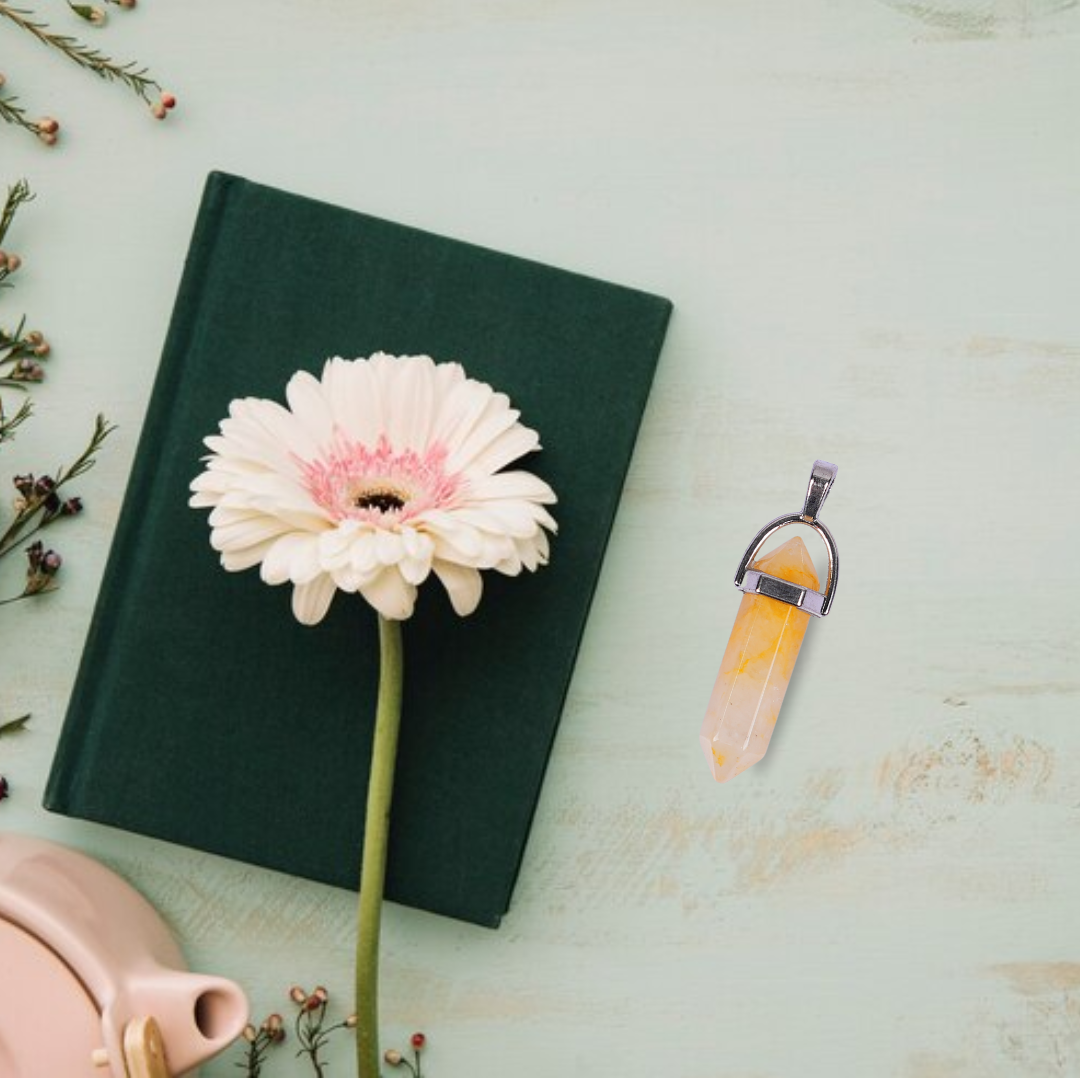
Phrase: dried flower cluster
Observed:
(39, 500)
(130, 74)
(312, 1032)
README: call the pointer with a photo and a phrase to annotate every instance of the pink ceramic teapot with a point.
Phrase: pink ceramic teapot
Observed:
(91, 981)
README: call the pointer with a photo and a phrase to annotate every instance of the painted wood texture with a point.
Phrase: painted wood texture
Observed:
(868, 216)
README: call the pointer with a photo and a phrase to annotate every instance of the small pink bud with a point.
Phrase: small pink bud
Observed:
(249, 1033)
(393, 1057)
(350, 1020)
(13, 263)
(312, 1004)
(159, 111)
(47, 137)
(48, 125)
(321, 993)
(168, 99)
(42, 349)
(298, 994)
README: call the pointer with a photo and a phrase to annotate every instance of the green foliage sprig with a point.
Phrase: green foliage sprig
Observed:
(41, 500)
(131, 74)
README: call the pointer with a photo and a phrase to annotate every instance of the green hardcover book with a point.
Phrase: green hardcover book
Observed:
(203, 713)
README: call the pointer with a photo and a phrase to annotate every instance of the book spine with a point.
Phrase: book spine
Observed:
(63, 792)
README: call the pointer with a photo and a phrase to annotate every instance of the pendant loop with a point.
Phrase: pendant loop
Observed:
(805, 599)
(821, 480)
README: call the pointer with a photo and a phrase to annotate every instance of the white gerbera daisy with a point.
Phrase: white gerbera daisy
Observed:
(376, 475)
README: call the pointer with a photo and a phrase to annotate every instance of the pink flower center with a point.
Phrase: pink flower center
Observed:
(380, 485)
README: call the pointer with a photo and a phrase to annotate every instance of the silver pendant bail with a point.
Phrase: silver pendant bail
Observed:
(809, 600)
(821, 480)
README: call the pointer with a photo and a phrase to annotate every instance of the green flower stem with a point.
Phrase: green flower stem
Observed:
(376, 832)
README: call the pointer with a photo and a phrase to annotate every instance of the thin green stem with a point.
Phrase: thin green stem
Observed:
(13, 113)
(21, 538)
(376, 833)
(26, 595)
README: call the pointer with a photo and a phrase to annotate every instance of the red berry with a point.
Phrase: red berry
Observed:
(168, 100)
(418, 1040)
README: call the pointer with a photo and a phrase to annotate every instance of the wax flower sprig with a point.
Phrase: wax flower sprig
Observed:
(130, 74)
(38, 505)
(311, 1028)
(398, 1060)
(259, 1041)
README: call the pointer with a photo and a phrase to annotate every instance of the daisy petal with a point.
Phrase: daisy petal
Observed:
(411, 402)
(511, 485)
(244, 533)
(308, 404)
(311, 601)
(245, 558)
(293, 557)
(388, 547)
(463, 585)
(390, 594)
(496, 420)
(507, 447)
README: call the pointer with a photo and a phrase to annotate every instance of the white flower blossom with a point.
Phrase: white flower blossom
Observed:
(381, 472)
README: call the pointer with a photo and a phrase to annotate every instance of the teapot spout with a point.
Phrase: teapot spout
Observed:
(198, 1015)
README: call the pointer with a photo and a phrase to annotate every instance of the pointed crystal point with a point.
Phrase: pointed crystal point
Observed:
(757, 665)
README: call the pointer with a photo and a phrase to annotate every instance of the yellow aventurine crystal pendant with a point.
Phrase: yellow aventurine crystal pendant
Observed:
(781, 593)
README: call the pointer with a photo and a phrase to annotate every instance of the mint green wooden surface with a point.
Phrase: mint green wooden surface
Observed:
(868, 216)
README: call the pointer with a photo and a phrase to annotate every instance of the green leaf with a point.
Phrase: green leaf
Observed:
(9, 727)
